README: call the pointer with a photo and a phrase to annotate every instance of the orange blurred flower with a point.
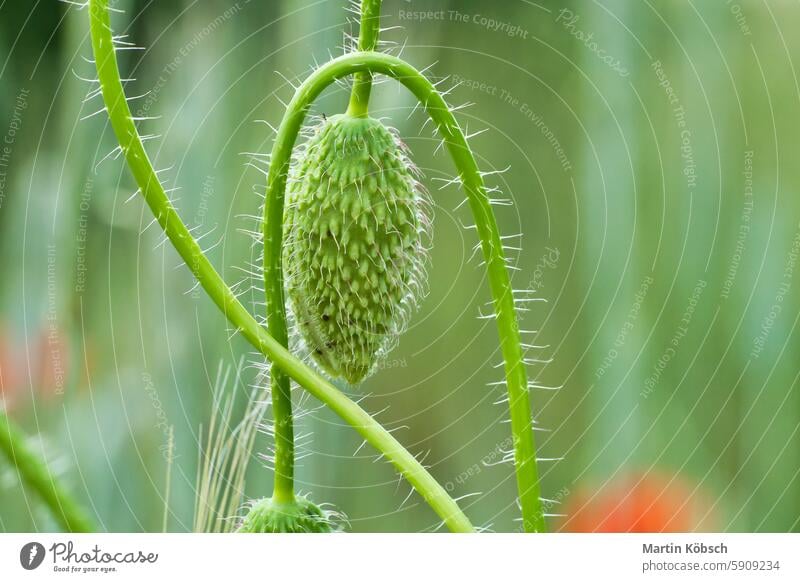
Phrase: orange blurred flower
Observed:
(10, 372)
(639, 503)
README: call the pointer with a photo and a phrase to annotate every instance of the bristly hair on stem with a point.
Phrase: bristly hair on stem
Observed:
(367, 42)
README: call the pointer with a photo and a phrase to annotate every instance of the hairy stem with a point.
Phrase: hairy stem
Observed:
(492, 247)
(34, 473)
(213, 284)
(283, 490)
(367, 41)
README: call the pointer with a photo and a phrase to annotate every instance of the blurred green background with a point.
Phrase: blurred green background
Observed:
(650, 149)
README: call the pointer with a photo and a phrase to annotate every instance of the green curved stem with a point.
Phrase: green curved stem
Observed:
(367, 41)
(492, 247)
(213, 284)
(35, 474)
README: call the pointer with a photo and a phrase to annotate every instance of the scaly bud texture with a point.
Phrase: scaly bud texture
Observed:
(355, 223)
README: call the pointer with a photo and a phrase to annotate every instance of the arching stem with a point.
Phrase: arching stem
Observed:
(34, 473)
(491, 244)
(367, 41)
(187, 247)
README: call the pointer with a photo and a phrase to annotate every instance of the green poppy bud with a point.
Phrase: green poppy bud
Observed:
(354, 253)
(298, 516)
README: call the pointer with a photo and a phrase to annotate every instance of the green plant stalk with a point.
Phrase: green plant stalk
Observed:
(283, 489)
(367, 41)
(491, 244)
(35, 474)
(280, 384)
(188, 248)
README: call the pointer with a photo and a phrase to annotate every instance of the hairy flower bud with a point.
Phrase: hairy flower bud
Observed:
(354, 252)
(298, 516)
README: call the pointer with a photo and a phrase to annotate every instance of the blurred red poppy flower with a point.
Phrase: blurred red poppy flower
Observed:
(639, 503)
(10, 373)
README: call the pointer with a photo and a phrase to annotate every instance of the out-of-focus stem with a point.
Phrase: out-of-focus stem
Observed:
(35, 475)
